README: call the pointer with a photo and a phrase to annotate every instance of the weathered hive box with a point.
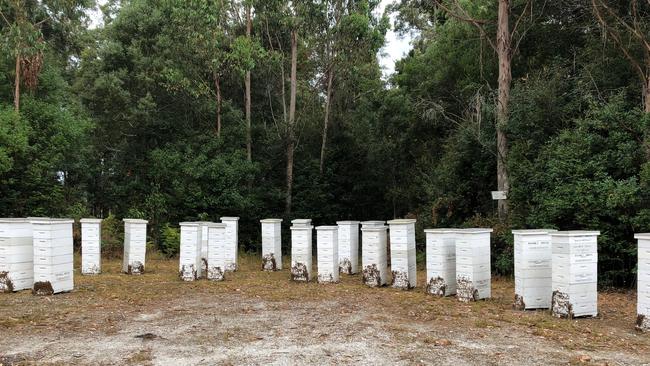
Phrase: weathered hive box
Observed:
(643, 283)
(91, 243)
(327, 253)
(271, 244)
(135, 246)
(301, 250)
(189, 266)
(574, 273)
(217, 244)
(348, 246)
(203, 239)
(232, 241)
(473, 276)
(53, 262)
(16, 255)
(441, 261)
(402, 253)
(373, 255)
(533, 269)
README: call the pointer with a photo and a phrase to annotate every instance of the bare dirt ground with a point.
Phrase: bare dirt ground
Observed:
(259, 317)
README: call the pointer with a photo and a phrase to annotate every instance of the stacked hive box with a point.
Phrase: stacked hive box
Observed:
(16, 255)
(301, 252)
(643, 283)
(216, 251)
(232, 242)
(473, 274)
(348, 246)
(271, 244)
(373, 255)
(532, 269)
(327, 250)
(441, 261)
(91, 243)
(189, 267)
(203, 239)
(135, 246)
(574, 273)
(402, 253)
(53, 262)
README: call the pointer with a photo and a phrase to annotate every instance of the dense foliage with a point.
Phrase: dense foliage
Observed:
(146, 117)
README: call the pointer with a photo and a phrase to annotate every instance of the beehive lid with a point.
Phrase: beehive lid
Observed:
(327, 227)
(533, 231)
(401, 221)
(91, 220)
(11, 220)
(188, 223)
(473, 230)
(301, 221)
(135, 221)
(441, 230)
(575, 233)
(644, 236)
(374, 228)
(215, 224)
(47, 220)
(229, 218)
(347, 222)
(270, 221)
(373, 223)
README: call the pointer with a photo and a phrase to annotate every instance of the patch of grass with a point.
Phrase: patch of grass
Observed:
(141, 357)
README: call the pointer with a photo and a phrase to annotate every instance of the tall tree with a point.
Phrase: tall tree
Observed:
(247, 84)
(291, 123)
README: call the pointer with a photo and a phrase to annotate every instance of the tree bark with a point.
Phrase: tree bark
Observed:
(247, 96)
(328, 102)
(17, 85)
(646, 94)
(217, 87)
(292, 119)
(504, 52)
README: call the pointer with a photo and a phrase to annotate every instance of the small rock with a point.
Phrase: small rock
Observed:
(442, 342)
(584, 358)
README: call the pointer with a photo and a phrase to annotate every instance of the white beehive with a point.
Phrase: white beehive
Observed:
(327, 252)
(348, 246)
(189, 266)
(532, 269)
(574, 273)
(271, 244)
(16, 255)
(216, 251)
(643, 283)
(53, 262)
(402, 253)
(135, 246)
(203, 239)
(473, 276)
(373, 255)
(91, 243)
(232, 241)
(301, 250)
(441, 261)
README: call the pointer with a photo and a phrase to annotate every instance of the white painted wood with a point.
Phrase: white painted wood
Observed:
(217, 259)
(574, 271)
(301, 250)
(203, 240)
(190, 263)
(232, 242)
(643, 282)
(53, 256)
(327, 252)
(16, 255)
(473, 273)
(271, 244)
(441, 261)
(533, 255)
(91, 242)
(135, 246)
(348, 239)
(374, 255)
(402, 253)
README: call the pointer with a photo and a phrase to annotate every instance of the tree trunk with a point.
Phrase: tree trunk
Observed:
(646, 94)
(17, 85)
(247, 96)
(504, 53)
(330, 77)
(292, 118)
(217, 87)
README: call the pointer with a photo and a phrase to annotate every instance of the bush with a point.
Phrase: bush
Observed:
(170, 240)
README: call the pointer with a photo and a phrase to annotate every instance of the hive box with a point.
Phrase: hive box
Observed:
(135, 246)
(327, 253)
(91, 243)
(533, 269)
(232, 242)
(402, 253)
(189, 266)
(473, 276)
(16, 255)
(301, 250)
(348, 246)
(53, 262)
(441, 261)
(574, 273)
(203, 239)
(373, 255)
(216, 251)
(271, 244)
(643, 283)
